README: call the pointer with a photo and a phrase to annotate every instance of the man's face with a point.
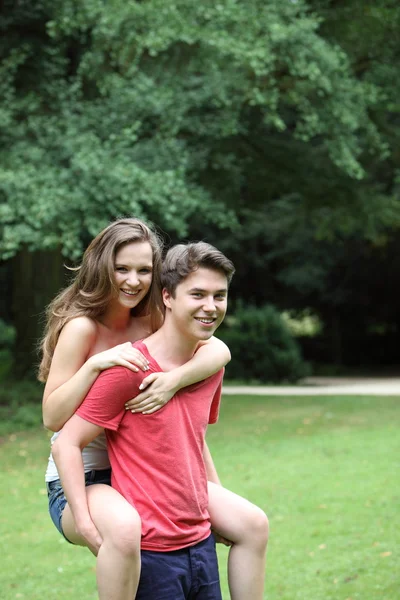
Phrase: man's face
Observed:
(199, 305)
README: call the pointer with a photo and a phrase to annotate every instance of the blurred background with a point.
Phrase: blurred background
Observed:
(268, 128)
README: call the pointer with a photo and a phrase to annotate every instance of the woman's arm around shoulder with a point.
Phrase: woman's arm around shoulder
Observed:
(211, 356)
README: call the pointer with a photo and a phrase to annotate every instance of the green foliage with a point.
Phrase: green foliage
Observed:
(147, 108)
(271, 129)
(262, 346)
(7, 335)
(304, 323)
(7, 341)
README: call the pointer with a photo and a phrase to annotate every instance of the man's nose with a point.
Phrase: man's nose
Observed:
(209, 304)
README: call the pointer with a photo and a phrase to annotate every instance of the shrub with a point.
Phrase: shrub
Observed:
(7, 340)
(262, 346)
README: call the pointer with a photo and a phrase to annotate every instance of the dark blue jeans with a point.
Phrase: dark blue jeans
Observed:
(187, 574)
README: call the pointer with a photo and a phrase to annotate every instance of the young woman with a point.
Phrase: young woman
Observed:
(114, 300)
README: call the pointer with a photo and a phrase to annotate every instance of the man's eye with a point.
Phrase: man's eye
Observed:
(196, 295)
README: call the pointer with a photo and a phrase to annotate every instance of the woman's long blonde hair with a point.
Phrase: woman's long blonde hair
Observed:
(94, 285)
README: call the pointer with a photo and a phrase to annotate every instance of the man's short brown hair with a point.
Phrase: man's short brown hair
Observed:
(183, 259)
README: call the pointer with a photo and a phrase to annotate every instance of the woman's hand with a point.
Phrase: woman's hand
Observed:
(221, 540)
(159, 389)
(123, 355)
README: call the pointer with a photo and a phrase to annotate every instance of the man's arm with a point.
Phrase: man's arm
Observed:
(67, 453)
(212, 474)
(103, 407)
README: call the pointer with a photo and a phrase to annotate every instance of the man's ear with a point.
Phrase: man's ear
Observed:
(166, 298)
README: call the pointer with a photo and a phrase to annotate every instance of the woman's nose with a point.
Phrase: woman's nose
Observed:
(133, 278)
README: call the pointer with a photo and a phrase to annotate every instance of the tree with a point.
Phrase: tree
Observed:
(128, 106)
(186, 114)
(313, 236)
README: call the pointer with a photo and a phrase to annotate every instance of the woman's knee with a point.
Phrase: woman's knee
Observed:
(257, 527)
(124, 532)
(263, 527)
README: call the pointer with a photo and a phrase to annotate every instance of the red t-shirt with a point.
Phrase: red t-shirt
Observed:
(157, 460)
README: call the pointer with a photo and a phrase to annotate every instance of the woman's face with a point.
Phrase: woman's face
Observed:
(133, 271)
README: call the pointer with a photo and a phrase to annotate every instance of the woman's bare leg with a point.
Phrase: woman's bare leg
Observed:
(246, 525)
(118, 560)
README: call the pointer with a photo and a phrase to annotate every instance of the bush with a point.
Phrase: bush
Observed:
(7, 335)
(262, 347)
(7, 340)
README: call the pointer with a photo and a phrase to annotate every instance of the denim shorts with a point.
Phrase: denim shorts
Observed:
(187, 574)
(57, 499)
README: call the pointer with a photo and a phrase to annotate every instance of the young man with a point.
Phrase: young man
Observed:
(161, 464)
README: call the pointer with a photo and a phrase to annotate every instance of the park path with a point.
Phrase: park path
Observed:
(325, 386)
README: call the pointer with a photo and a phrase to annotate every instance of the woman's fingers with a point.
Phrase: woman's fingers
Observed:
(219, 539)
(123, 354)
(147, 403)
(137, 358)
(149, 380)
(135, 402)
(158, 391)
(144, 395)
(144, 404)
(148, 407)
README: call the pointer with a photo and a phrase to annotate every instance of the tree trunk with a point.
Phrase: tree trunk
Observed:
(36, 279)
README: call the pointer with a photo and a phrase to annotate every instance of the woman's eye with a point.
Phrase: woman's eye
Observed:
(120, 269)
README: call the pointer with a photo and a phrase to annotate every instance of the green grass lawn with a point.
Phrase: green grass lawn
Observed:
(325, 469)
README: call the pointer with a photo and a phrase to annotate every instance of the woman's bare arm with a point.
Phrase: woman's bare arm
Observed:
(72, 373)
(161, 387)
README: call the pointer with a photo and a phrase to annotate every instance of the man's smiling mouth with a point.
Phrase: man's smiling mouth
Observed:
(206, 320)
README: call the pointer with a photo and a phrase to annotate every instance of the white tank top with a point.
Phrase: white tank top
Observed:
(94, 457)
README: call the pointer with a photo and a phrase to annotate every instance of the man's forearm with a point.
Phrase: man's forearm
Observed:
(67, 452)
(68, 459)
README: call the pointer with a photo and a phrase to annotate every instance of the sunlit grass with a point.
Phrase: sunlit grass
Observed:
(324, 469)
